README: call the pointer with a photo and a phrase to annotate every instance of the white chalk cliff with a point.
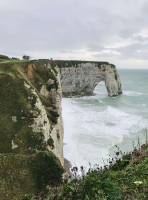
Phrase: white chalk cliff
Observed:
(80, 78)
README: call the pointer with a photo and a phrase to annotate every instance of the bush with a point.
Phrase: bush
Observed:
(4, 57)
(46, 170)
(25, 57)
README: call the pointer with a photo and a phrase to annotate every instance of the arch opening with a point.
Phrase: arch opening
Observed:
(100, 89)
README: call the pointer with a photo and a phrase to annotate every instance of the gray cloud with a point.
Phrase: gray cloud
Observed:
(113, 30)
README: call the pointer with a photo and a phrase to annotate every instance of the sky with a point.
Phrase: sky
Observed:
(101, 30)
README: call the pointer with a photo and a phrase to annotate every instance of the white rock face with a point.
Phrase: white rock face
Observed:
(42, 122)
(57, 132)
(81, 79)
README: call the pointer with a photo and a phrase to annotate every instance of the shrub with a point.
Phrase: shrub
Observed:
(4, 57)
(25, 57)
(46, 170)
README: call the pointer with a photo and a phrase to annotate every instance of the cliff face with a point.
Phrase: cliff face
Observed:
(80, 78)
(31, 128)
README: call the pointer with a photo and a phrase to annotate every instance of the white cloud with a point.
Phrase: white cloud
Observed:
(143, 34)
(111, 30)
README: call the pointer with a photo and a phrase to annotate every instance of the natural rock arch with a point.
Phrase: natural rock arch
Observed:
(80, 78)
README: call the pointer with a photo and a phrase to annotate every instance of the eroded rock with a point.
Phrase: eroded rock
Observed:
(80, 78)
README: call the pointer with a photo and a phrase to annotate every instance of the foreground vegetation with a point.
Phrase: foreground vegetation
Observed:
(125, 178)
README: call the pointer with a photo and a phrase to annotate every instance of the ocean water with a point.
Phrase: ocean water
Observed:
(94, 124)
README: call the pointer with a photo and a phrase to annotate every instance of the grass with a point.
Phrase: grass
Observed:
(76, 63)
(20, 174)
(126, 178)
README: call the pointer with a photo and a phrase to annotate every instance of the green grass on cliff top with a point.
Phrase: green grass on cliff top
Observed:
(60, 63)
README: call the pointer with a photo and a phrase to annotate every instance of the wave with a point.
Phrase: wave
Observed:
(119, 123)
(132, 93)
(90, 131)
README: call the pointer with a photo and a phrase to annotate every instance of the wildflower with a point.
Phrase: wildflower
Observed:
(138, 182)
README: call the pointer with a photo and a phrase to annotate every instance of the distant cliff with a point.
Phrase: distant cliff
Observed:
(31, 128)
(79, 78)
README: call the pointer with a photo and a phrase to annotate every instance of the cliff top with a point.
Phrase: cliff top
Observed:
(69, 63)
(61, 63)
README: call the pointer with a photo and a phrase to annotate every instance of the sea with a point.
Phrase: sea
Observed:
(93, 125)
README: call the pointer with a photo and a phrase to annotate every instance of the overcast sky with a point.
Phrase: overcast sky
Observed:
(109, 30)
